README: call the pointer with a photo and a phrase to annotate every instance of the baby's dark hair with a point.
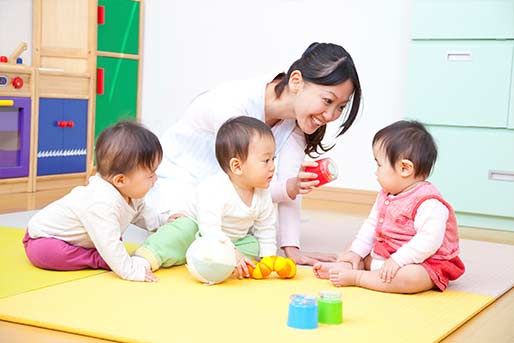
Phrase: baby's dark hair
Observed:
(124, 147)
(408, 140)
(234, 137)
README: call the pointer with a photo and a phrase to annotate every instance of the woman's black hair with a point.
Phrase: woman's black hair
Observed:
(325, 64)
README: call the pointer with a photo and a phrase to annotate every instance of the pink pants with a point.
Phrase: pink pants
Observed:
(54, 254)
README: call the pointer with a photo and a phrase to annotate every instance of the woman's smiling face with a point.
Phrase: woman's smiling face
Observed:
(316, 105)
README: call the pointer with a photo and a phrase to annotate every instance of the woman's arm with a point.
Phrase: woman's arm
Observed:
(288, 218)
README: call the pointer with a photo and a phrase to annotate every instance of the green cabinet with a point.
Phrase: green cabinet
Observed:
(118, 27)
(463, 19)
(470, 169)
(461, 84)
(118, 97)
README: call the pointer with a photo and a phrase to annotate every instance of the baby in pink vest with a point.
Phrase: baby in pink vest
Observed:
(410, 241)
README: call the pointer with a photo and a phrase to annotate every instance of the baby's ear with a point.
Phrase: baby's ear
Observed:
(118, 180)
(235, 166)
(406, 168)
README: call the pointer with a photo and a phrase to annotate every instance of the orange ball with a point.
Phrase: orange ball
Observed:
(261, 271)
(269, 261)
(285, 267)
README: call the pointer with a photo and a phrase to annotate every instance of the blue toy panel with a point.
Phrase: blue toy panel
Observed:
(75, 138)
(62, 136)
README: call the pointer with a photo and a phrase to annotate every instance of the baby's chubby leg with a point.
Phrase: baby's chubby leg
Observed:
(412, 278)
(167, 247)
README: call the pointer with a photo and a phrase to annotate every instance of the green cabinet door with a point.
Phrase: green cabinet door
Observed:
(119, 31)
(119, 98)
(474, 169)
(465, 83)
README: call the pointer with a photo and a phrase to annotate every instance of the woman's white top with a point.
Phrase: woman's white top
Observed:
(189, 151)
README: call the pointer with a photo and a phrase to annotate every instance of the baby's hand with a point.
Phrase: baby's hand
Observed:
(354, 259)
(150, 277)
(389, 270)
(241, 269)
(175, 216)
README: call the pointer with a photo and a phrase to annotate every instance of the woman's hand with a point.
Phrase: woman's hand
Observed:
(303, 183)
(307, 258)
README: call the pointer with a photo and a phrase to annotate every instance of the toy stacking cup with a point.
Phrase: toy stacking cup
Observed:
(303, 312)
(326, 171)
(330, 307)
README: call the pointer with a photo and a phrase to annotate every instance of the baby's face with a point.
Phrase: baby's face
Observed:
(259, 167)
(387, 175)
(139, 181)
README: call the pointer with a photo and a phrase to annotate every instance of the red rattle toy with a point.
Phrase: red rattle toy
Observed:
(326, 171)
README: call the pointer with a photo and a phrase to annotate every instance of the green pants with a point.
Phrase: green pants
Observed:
(167, 247)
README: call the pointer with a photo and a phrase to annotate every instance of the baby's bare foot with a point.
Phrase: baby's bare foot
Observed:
(343, 277)
(321, 269)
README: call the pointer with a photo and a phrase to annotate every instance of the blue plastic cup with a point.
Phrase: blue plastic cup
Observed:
(303, 312)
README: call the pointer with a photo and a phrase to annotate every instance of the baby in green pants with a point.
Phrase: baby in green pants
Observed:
(231, 205)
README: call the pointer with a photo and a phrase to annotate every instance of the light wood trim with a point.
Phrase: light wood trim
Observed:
(44, 94)
(19, 50)
(64, 24)
(346, 195)
(34, 124)
(140, 64)
(21, 94)
(15, 68)
(16, 185)
(63, 86)
(92, 43)
(64, 52)
(117, 55)
(36, 33)
(55, 72)
(12, 180)
(60, 181)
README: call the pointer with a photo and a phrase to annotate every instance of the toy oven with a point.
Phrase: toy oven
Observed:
(14, 137)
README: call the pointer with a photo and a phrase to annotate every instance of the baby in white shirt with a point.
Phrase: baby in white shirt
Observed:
(233, 205)
(83, 229)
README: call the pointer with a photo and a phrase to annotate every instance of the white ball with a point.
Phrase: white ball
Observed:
(211, 260)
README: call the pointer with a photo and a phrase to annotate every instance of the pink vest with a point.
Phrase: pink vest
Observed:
(395, 225)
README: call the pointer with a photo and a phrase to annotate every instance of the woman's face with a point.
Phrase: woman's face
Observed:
(316, 105)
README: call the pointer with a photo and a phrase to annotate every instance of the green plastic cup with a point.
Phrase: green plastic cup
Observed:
(330, 307)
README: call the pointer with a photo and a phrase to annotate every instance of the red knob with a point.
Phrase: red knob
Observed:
(61, 123)
(17, 82)
(3, 59)
(70, 123)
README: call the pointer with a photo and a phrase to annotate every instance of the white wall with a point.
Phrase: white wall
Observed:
(16, 27)
(189, 46)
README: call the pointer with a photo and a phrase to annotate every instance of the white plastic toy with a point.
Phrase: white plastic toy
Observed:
(211, 260)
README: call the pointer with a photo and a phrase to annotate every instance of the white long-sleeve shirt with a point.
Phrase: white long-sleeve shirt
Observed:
(96, 216)
(430, 226)
(220, 211)
(189, 151)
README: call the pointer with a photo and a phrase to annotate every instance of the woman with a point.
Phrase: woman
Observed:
(319, 88)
